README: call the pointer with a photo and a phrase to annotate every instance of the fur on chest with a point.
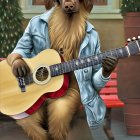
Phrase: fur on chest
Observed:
(67, 32)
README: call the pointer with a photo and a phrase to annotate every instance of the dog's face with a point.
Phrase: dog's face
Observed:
(70, 6)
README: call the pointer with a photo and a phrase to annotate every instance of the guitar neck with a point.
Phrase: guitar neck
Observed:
(133, 48)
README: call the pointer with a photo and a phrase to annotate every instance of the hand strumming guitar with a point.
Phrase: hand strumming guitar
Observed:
(20, 68)
(109, 63)
(18, 65)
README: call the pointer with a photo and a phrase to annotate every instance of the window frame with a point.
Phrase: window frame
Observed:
(110, 11)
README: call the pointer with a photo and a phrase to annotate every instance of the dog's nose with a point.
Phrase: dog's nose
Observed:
(69, 6)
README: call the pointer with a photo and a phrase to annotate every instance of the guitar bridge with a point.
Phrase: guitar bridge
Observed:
(22, 85)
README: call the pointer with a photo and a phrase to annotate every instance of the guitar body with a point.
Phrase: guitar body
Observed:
(46, 83)
(13, 101)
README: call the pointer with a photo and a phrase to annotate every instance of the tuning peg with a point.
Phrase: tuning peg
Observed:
(128, 40)
(134, 38)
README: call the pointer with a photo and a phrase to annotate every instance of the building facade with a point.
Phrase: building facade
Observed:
(105, 16)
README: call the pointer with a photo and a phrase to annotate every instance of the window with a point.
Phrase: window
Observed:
(37, 2)
(31, 8)
(103, 9)
(106, 9)
(100, 2)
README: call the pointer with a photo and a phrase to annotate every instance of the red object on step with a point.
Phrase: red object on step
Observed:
(109, 94)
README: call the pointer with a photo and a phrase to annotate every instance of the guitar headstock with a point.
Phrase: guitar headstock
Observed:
(133, 46)
(133, 39)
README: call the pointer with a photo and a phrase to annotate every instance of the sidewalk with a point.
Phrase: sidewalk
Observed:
(79, 130)
(10, 131)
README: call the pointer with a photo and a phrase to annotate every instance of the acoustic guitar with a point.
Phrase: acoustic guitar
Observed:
(48, 78)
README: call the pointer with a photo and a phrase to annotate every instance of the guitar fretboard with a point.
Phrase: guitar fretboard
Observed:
(80, 63)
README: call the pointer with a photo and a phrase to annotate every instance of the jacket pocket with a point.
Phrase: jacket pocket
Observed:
(95, 111)
(87, 73)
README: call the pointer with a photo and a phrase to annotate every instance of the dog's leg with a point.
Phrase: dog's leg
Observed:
(60, 114)
(32, 126)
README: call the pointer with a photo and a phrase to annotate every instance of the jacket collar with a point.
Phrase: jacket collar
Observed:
(45, 17)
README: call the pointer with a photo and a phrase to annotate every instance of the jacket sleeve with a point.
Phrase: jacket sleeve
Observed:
(98, 79)
(25, 45)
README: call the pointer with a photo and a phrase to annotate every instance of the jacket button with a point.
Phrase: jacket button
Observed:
(86, 71)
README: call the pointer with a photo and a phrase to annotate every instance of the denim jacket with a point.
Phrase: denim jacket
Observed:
(90, 80)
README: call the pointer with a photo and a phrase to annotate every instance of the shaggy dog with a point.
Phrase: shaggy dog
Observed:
(67, 26)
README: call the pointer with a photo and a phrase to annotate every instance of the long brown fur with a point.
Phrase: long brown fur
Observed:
(66, 32)
(32, 126)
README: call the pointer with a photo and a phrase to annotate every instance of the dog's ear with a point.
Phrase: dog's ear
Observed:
(88, 4)
(49, 4)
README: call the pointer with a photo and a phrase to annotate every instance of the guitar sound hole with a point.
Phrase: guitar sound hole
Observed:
(42, 74)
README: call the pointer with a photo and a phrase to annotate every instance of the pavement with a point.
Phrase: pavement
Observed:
(9, 130)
